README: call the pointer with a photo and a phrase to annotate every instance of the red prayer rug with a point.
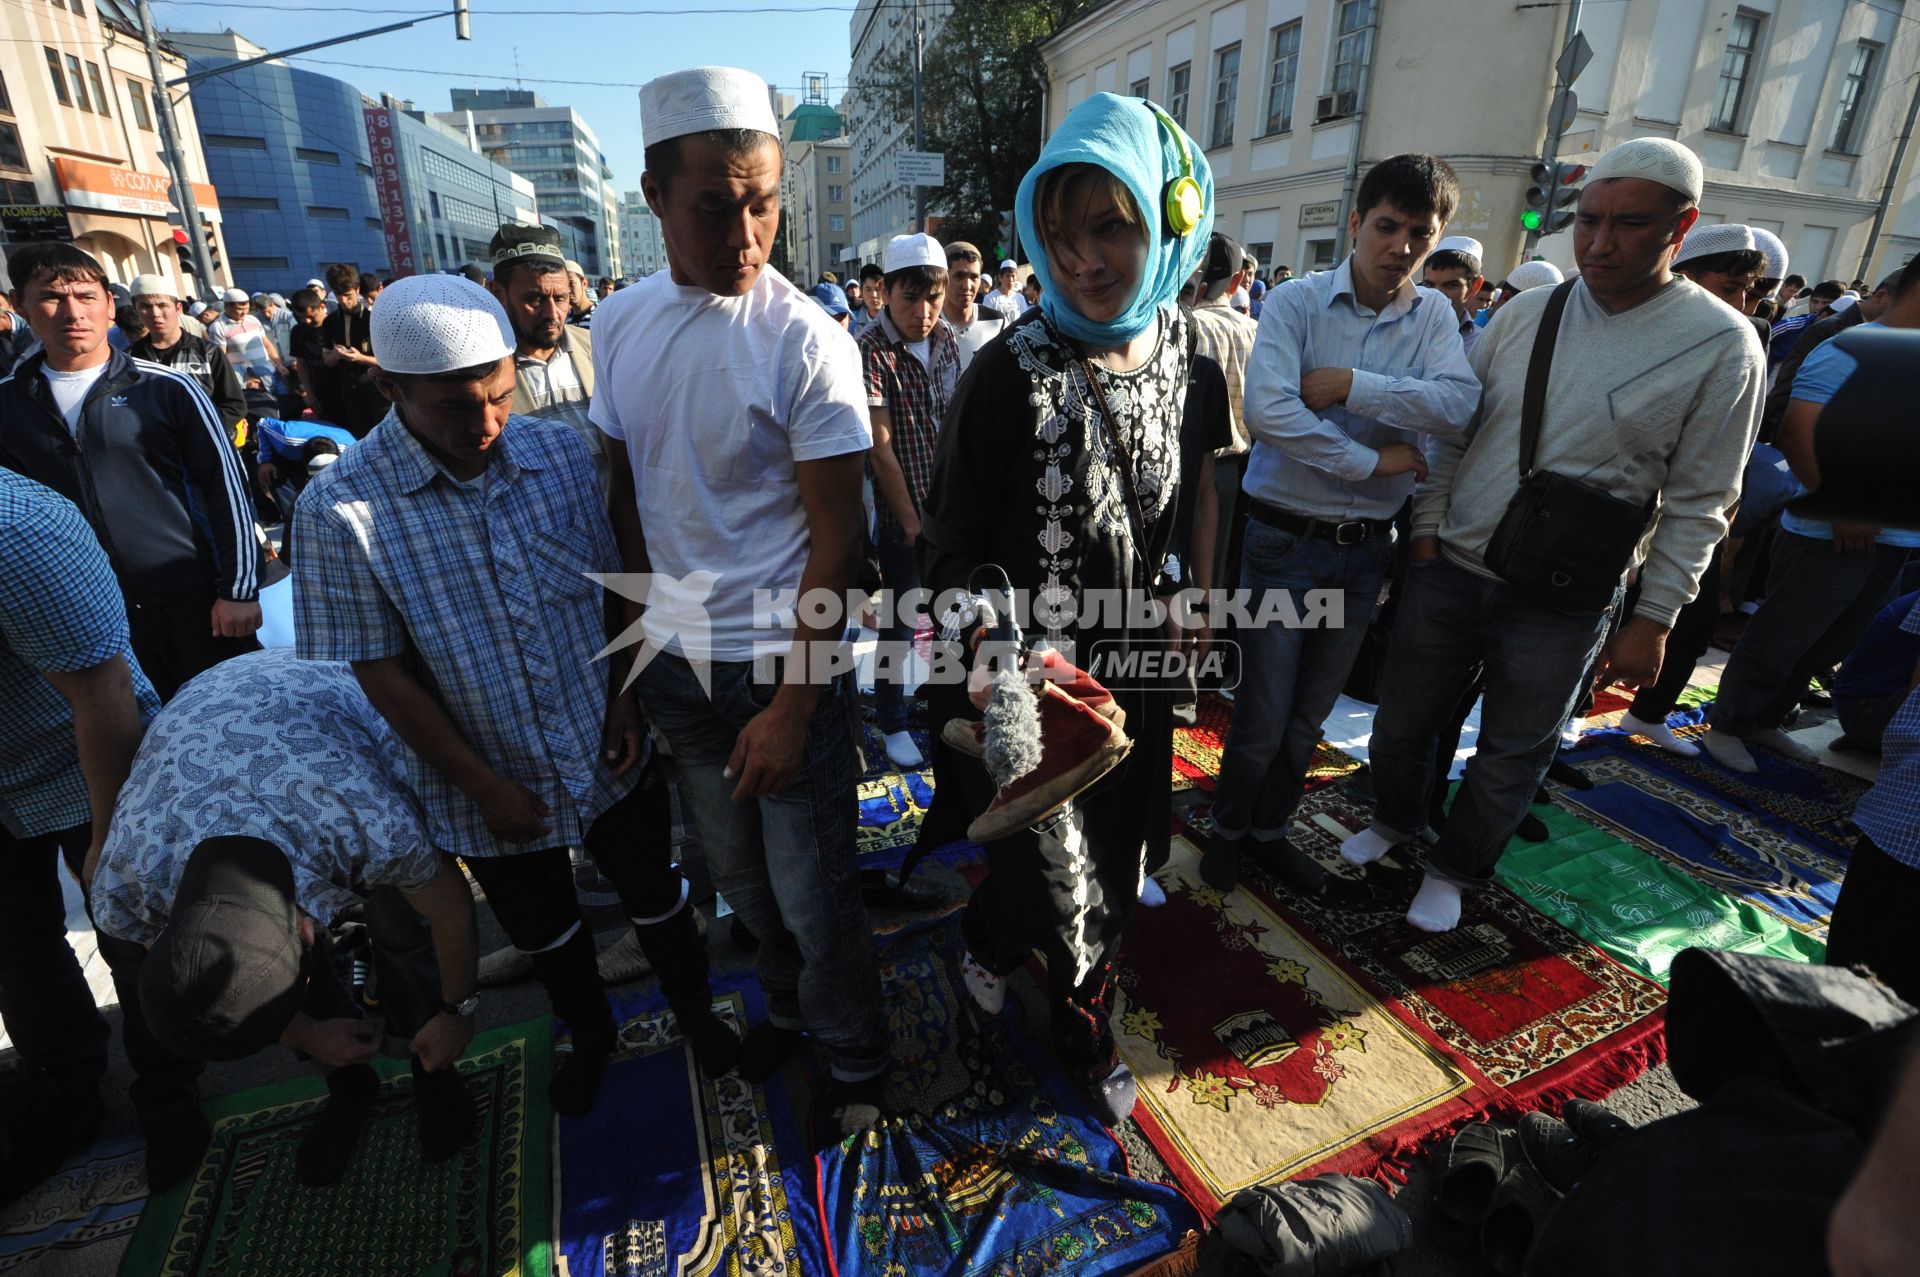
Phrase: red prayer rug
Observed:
(1196, 751)
(1294, 1036)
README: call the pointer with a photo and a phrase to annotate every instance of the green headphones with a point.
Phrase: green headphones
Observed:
(1184, 203)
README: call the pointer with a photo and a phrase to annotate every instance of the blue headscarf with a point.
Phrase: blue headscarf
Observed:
(1124, 137)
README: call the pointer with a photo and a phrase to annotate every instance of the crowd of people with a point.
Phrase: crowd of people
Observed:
(1557, 482)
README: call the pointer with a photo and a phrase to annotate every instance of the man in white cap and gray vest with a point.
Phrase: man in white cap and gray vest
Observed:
(449, 557)
(1648, 398)
(736, 419)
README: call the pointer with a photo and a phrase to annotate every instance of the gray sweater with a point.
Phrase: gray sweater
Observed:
(1661, 399)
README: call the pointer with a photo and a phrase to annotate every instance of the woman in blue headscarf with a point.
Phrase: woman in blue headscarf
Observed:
(1078, 503)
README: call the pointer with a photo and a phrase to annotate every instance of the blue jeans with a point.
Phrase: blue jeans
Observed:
(1290, 677)
(785, 862)
(1537, 663)
(899, 572)
(1819, 602)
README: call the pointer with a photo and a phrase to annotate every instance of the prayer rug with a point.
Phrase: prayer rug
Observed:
(1197, 749)
(994, 1165)
(1778, 840)
(674, 1172)
(483, 1213)
(93, 1201)
(892, 802)
(1293, 1036)
(1635, 905)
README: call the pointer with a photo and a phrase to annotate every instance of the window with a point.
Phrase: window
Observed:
(262, 203)
(834, 251)
(433, 202)
(6, 102)
(835, 222)
(329, 211)
(1735, 68)
(99, 89)
(1226, 89)
(1853, 92)
(259, 263)
(1320, 253)
(833, 164)
(76, 6)
(12, 154)
(364, 170)
(836, 193)
(59, 78)
(137, 99)
(1280, 80)
(440, 245)
(313, 156)
(1355, 43)
(79, 84)
(374, 222)
(1139, 89)
(1179, 79)
(19, 193)
(234, 141)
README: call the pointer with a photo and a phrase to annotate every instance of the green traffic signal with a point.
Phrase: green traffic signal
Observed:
(1531, 219)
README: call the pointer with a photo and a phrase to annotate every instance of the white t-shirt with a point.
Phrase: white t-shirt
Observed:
(716, 399)
(976, 334)
(70, 391)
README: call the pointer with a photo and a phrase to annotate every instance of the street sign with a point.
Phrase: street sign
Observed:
(1574, 58)
(1323, 214)
(1560, 116)
(33, 223)
(920, 168)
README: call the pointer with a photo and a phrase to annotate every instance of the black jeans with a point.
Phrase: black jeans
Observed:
(532, 894)
(175, 641)
(1687, 642)
(44, 998)
(1872, 921)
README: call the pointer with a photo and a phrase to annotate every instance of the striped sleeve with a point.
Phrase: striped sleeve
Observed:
(213, 467)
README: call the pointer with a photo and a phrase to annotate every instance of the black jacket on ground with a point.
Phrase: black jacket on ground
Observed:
(207, 363)
(152, 468)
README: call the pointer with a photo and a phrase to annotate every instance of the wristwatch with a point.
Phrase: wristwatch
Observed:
(463, 1009)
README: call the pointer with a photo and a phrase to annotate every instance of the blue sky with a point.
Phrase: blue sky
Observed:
(591, 61)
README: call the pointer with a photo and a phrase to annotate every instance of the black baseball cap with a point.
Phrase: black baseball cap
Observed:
(1223, 260)
(229, 970)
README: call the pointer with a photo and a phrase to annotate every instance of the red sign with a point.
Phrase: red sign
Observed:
(388, 190)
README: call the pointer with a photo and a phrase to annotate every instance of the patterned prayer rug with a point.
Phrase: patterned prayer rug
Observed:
(92, 1201)
(1197, 749)
(1296, 1036)
(1778, 840)
(482, 1213)
(892, 802)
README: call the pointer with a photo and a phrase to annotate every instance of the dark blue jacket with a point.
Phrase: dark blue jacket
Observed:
(153, 470)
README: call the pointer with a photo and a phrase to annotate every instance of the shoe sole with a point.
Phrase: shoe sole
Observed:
(1044, 802)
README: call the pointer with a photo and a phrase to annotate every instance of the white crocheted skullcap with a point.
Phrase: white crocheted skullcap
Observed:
(1776, 252)
(1461, 244)
(704, 100)
(1654, 159)
(1705, 241)
(913, 250)
(1522, 277)
(438, 323)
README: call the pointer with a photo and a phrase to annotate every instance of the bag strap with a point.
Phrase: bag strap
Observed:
(1533, 404)
(1123, 462)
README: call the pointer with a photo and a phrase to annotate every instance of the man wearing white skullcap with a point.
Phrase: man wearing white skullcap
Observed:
(1722, 259)
(448, 556)
(1453, 269)
(1652, 399)
(737, 431)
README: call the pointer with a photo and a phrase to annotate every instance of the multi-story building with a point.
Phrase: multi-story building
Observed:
(818, 213)
(553, 146)
(881, 35)
(1792, 105)
(642, 251)
(79, 148)
(455, 197)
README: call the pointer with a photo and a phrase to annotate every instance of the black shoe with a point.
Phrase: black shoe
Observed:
(1596, 1123)
(1569, 775)
(765, 1049)
(1475, 1164)
(445, 1111)
(1520, 1207)
(678, 953)
(1220, 862)
(1292, 867)
(849, 1109)
(328, 1144)
(1532, 829)
(576, 1081)
(175, 1144)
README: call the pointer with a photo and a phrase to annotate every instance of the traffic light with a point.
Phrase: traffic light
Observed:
(1004, 246)
(1545, 181)
(462, 23)
(183, 249)
(1566, 197)
(213, 250)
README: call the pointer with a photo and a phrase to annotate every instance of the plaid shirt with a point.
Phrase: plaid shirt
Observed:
(486, 584)
(1890, 812)
(1226, 336)
(60, 612)
(915, 398)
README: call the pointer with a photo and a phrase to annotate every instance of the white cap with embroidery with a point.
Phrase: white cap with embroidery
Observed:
(438, 323)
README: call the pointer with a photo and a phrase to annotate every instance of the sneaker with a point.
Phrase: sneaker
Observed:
(988, 991)
(1078, 747)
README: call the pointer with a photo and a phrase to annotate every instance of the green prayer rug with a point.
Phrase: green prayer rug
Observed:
(1634, 906)
(485, 1212)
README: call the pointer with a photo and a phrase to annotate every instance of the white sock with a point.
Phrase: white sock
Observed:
(1781, 743)
(902, 752)
(1729, 751)
(1660, 734)
(1436, 906)
(1371, 843)
(1152, 894)
(988, 991)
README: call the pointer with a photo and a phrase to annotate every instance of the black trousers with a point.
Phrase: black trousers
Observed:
(175, 641)
(1872, 921)
(44, 998)
(406, 970)
(532, 894)
(1687, 642)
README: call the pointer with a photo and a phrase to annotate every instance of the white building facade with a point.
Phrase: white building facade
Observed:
(1794, 107)
(881, 34)
(642, 250)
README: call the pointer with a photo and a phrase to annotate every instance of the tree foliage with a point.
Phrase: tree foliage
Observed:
(984, 86)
